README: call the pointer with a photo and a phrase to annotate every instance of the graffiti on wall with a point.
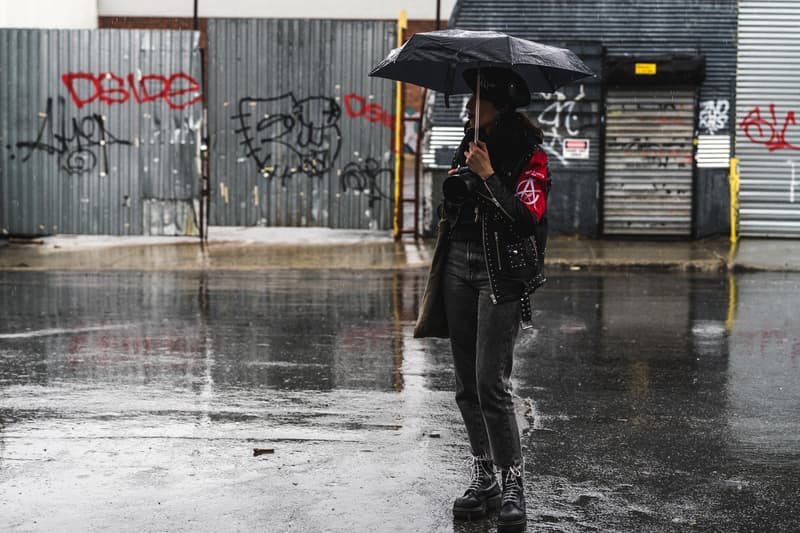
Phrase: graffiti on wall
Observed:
(356, 107)
(306, 131)
(80, 142)
(771, 131)
(365, 178)
(178, 91)
(560, 120)
(644, 152)
(285, 136)
(774, 132)
(713, 116)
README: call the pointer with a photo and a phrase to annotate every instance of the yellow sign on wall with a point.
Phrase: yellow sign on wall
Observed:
(645, 69)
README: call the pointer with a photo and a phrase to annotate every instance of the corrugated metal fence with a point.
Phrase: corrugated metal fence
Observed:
(299, 135)
(98, 131)
(768, 134)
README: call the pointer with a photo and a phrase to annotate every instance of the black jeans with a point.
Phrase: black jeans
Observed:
(482, 337)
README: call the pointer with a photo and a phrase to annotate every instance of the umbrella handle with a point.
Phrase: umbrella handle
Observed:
(477, 104)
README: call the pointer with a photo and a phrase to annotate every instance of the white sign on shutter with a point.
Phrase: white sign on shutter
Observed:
(575, 148)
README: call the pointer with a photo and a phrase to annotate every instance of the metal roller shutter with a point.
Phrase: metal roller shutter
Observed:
(648, 162)
(768, 134)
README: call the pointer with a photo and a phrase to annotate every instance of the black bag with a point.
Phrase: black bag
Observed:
(432, 319)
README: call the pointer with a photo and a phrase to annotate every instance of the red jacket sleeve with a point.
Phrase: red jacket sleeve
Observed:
(531, 186)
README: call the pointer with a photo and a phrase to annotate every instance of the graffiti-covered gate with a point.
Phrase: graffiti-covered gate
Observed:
(768, 132)
(300, 136)
(648, 165)
(98, 132)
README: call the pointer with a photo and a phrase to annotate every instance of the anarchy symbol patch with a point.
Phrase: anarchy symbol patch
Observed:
(527, 193)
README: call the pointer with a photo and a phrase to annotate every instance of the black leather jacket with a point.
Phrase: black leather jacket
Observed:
(513, 239)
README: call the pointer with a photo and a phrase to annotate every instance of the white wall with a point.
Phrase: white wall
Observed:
(74, 14)
(341, 9)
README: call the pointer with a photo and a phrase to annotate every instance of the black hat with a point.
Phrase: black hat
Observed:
(501, 86)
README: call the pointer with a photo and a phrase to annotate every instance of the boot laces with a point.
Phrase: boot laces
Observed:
(512, 484)
(479, 472)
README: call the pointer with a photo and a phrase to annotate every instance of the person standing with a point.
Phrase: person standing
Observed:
(492, 237)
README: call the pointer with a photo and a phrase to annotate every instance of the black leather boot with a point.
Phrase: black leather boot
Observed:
(483, 493)
(512, 517)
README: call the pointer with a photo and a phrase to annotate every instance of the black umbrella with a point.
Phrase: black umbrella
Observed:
(437, 60)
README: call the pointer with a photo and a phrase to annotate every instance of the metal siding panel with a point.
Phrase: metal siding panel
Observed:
(71, 165)
(24, 175)
(102, 215)
(767, 140)
(17, 105)
(337, 211)
(5, 147)
(314, 65)
(17, 174)
(648, 165)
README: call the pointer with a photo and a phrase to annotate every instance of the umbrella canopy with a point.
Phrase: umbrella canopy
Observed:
(437, 60)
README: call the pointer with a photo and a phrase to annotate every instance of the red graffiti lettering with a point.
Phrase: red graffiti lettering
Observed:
(374, 113)
(178, 91)
(766, 132)
(179, 97)
(116, 94)
(356, 106)
(349, 107)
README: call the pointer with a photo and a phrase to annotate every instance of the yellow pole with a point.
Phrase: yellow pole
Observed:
(734, 186)
(402, 25)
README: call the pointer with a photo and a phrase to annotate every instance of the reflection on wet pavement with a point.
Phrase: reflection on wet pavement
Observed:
(657, 402)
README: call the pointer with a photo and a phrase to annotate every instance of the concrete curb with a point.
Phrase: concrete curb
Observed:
(291, 248)
(710, 265)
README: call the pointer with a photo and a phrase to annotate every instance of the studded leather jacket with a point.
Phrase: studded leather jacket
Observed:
(513, 237)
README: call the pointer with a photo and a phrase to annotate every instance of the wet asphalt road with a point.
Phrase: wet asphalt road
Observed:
(133, 402)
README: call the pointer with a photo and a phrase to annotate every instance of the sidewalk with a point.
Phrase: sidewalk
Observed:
(310, 248)
(776, 255)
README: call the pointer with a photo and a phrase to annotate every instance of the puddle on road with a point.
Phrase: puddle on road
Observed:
(622, 336)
